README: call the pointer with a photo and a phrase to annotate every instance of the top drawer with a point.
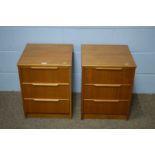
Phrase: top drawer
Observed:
(106, 75)
(45, 74)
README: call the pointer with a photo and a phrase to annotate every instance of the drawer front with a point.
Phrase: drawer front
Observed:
(39, 106)
(51, 90)
(45, 74)
(106, 107)
(108, 75)
(107, 91)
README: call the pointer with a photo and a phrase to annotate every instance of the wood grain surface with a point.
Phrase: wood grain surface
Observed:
(45, 72)
(107, 81)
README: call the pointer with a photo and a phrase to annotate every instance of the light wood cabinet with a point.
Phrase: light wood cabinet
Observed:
(107, 80)
(45, 72)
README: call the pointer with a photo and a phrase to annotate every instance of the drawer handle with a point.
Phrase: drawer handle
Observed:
(45, 84)
(107, 85)
(44, 68)
(101, 68)
(106, 101)
(44, 100)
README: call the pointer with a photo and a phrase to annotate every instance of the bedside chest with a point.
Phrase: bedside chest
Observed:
(45, 72)
(107, 80)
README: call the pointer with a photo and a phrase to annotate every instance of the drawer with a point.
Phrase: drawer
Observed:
(107, 91)
(46, 106)
(108, 75)
(106, 107)
(45, 74)
(46, 90)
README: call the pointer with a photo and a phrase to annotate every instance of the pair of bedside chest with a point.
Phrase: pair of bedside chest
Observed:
(45, 72)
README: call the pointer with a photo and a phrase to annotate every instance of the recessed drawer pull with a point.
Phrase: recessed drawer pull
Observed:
(44, 84)
(44, 67)
(107, 85)
(106, 100)
(48, 100)
(101, 68)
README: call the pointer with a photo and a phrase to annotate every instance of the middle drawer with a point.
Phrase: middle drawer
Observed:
(107, 91)
(46, 90)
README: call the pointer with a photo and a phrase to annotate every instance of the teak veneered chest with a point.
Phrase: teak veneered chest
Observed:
(107, 80)
(45, 72)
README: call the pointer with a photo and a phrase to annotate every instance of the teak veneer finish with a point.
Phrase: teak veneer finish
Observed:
(45, 72)
(107, 80)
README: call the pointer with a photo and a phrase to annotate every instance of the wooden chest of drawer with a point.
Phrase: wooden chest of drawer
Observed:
(45, 72)
(107, 81)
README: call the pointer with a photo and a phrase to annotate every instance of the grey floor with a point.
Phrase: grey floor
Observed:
(11, 115)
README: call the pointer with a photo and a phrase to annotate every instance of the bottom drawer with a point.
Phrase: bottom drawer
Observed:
(114, 107)
(47, 106)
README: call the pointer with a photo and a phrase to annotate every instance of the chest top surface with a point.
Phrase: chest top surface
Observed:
(47, 55)
(107, 55)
